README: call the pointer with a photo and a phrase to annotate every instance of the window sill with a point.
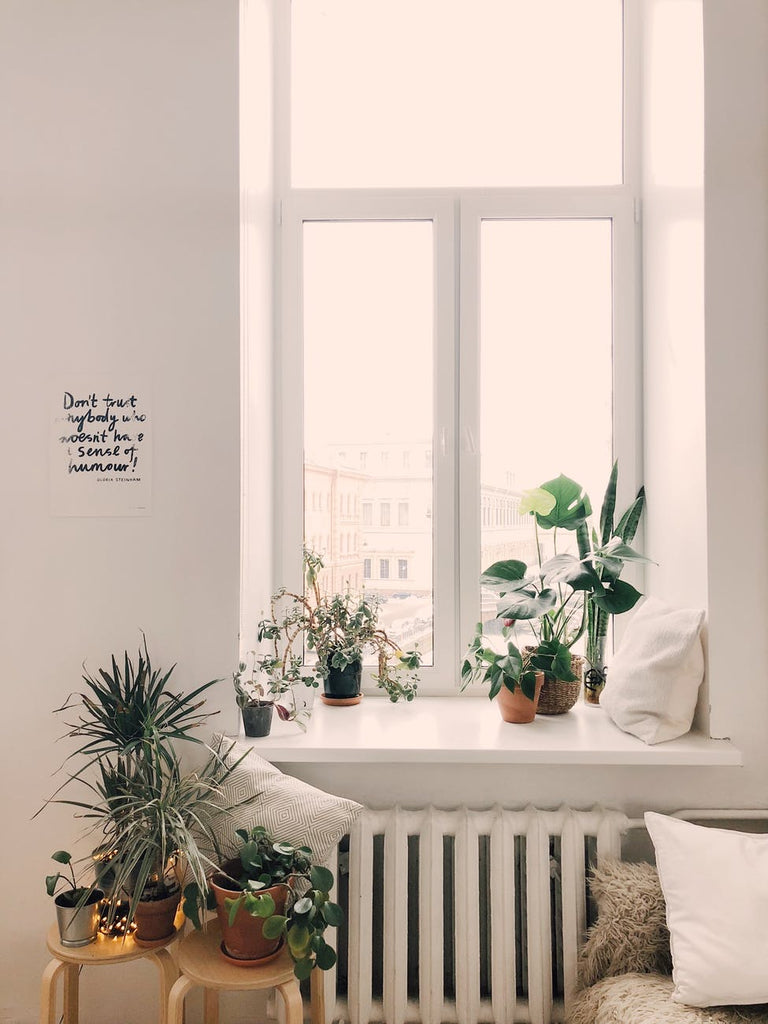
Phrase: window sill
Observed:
(450, 730)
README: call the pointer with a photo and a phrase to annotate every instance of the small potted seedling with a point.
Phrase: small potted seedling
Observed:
(77, 906)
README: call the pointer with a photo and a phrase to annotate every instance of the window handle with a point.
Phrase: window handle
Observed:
(469, 440)
(443, 441)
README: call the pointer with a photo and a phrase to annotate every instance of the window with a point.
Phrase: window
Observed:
(458, 300)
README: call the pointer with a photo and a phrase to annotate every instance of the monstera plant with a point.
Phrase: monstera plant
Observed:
(568, 595)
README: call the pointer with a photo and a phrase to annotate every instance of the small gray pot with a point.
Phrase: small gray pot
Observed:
(79, 925)
(257, 718)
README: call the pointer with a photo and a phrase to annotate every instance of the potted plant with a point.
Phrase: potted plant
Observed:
(340, 628)
(269, 894)
(567, 595)
(78, 907)
(156, 821)
(513, 680)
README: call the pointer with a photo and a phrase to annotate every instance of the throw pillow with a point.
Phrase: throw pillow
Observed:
(287, 807)
(630, 933)
(715, 884)
(654, 679)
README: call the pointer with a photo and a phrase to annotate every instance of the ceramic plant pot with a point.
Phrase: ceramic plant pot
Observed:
(257, 718)
(516, 707)
(154, 918)
(342, 685)
(244, 940)
(78, 925)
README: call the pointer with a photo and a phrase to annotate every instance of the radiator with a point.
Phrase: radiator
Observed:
(464, 916)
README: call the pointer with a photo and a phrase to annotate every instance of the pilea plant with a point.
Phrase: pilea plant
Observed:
(264, 864)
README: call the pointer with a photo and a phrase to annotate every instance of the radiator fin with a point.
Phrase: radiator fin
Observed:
(465, 916)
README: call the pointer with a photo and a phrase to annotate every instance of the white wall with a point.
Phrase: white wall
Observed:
(119, 249)
(118, 254)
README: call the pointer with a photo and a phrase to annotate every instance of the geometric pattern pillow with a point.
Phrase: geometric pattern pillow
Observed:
(630, 934)
(289, 809)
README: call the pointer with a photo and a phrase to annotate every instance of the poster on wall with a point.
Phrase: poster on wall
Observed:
(101, 448)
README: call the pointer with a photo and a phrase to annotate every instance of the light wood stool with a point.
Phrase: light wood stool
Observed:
(68, 960)
(202, 966)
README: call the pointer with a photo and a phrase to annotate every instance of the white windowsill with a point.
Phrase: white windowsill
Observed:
(448, 730)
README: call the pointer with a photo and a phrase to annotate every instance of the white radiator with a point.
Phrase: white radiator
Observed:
(464, 916)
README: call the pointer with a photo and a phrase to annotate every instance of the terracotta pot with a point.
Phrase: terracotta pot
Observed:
(516, 707)
(244, 938)
(154, 918)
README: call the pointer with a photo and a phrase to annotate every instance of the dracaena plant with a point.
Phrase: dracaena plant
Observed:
(564, 597)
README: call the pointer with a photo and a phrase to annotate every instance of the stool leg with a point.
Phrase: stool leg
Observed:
(317, 993)
(163, 960)
(48, 992)
(210, 1006)
(71, 994)
(176, 1000)
(291, 994)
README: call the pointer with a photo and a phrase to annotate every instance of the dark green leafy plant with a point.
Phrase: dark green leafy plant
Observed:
(73, 893)
(265, 864)
(509, 667)
(567, 595)
(340, 629)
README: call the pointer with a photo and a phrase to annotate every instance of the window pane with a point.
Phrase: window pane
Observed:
(546, 372)
(464, 93)
(368, 384)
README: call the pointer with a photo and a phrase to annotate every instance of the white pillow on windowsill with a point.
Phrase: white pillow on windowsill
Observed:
(654, 678)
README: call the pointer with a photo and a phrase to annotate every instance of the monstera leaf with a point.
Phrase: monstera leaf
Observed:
(571, 508)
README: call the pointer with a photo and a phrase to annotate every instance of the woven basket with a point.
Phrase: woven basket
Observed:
(558, 697)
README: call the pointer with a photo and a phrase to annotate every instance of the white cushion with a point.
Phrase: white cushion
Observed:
(654, 679)
(288, 808)
(715, 885)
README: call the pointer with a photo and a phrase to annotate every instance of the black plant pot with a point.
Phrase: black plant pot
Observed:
(342, 685)
(257, 718)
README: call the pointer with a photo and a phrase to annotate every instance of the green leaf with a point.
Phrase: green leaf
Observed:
(571, 570)
(325, 957)
(503, 572)
(527, 606)
(61, 856)
(609, 505)
(617, 597)
(298, 939)
(537, 500)
(273, 926)
(302, 969)
(528, 684)
(321, 878)
(629, 522)
(333, 914)
(303, 906)
(617, 549)
(572, 505)
(50, 883)
(232, 906)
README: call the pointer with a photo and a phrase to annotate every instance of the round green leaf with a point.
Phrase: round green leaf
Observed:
(302, 969)
(537, 500)
(302, 906)
(333, 914)
(321, 878)
(325, 957)
(273, 926)
(298, 939)
(61, 856)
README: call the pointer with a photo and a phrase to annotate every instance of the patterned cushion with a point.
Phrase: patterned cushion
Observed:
(630, 933)
(288, 808)
(647, 999)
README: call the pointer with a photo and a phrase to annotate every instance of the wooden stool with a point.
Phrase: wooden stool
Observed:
(202, 964)
(68, 960)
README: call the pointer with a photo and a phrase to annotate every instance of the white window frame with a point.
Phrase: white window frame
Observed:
(456, 215)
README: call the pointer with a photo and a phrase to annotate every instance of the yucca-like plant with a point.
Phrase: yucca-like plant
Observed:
(158, 823)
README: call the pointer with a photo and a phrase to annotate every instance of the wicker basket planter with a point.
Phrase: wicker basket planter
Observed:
(556, 696)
